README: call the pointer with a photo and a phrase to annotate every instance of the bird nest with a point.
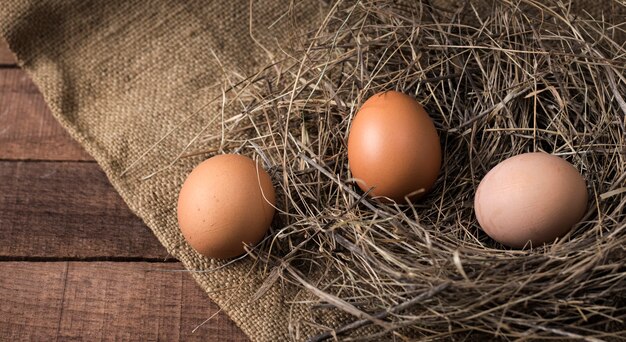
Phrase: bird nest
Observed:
(498, 79)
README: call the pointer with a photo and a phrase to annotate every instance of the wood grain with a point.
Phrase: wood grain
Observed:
(27, 128)
(104, 301)
(68, 210)
(6, 56)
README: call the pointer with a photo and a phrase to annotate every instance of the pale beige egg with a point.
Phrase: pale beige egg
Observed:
(532, 198)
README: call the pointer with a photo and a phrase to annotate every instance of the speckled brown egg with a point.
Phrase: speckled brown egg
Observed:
(226, 201)
(530, 198)
(393, 147)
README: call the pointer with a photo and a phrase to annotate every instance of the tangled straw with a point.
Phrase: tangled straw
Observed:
(498, 79)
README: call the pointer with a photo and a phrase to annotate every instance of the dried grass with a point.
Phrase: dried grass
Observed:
(498, 80)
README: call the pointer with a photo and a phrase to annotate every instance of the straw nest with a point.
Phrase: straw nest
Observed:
(498, 80)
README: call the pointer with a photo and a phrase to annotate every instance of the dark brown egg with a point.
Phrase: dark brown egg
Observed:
(393, 147)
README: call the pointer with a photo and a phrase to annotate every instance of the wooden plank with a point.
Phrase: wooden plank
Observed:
(104, 301)
(67, 210)
(7, 58)
(27, 128)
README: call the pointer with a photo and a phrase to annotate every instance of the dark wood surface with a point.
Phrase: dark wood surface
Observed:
(75, 263)
(6, 56)
(106, 301)
(68, 210)
(28, 131)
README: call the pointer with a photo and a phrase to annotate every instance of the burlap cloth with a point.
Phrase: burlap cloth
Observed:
(134, 82)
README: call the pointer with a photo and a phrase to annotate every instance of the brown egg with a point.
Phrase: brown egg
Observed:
(532, 197)
(226, 201)
(393, 147)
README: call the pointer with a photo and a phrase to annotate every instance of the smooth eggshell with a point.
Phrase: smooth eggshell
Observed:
(534, 197)
(393, 147)
(226, 201)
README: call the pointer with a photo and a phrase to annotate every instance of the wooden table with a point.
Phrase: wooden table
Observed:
(75, 263)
